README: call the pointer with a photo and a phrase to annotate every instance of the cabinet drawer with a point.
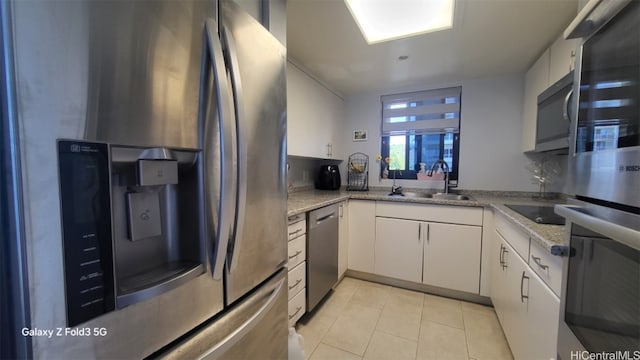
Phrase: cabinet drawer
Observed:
(297, 229)
(464, 215)
(297, 252)
(547, 266)
(296, 307)
(515, 237)
(297, 279)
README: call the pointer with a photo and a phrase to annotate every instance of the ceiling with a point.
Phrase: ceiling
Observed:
(490, 37)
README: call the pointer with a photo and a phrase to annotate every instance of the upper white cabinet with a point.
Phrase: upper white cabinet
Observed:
(535, 81)
(561, 58)
(556, 62)
(314, 117)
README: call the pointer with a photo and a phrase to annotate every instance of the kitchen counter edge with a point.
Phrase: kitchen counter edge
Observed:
(545, 235)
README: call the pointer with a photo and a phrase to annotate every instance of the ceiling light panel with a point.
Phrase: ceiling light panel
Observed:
(384, 20)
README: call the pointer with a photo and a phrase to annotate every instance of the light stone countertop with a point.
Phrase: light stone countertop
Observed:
(545, 235)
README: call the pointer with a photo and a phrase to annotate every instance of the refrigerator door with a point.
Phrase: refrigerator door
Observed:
(255, 329)
(80, 67)
(257, 73)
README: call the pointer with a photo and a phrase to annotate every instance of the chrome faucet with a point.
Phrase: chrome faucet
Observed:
(396, 190)
(446, 172)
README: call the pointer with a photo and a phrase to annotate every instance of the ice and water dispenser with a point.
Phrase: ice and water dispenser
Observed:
(133, 224)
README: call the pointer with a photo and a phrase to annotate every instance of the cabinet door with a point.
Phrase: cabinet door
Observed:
(362, 234)
(343, 238)
(561, 58)
(516, 303)
(452, 256)
(498, 276)
(314, 116)
(542, 320)
(536, 81)
(398, 250)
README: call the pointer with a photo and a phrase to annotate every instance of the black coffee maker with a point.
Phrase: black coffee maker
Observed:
(328, 178)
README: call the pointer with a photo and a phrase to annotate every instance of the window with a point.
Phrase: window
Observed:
(420, 127)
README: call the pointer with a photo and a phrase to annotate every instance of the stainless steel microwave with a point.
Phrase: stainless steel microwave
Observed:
(554, 115)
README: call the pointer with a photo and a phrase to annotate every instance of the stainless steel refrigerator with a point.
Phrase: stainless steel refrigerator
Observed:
(146, 191)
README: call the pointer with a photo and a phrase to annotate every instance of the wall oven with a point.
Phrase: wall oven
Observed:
(600, 296)
(600, 302)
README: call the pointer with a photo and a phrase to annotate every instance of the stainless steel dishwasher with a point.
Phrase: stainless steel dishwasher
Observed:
(322, 253)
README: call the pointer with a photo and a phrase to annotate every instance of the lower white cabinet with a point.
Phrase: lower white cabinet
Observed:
(297, 267)
(527, 308)
(343, 238)
(436, 254)
(542, 319)
(362, 235)
(398, 249)
(452, 256)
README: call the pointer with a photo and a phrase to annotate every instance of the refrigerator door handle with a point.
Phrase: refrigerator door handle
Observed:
(241, 185)
(240, 332)
(225, 206)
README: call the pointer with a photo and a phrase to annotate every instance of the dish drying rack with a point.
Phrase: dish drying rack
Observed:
(358, 172)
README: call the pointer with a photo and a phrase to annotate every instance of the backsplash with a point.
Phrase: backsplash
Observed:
(302, 172)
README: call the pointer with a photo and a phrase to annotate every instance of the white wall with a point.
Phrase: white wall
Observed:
(491, 130)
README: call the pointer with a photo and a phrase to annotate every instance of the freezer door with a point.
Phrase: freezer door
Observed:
(255, 328)
(256, 62)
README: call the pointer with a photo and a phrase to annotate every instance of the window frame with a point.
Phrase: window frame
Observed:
(413, 174)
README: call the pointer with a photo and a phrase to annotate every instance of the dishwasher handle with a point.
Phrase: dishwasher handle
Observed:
(322, 215)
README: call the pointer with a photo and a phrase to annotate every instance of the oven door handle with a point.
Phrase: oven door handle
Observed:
(626, 235)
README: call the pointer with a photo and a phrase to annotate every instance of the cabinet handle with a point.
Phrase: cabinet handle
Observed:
(341, 210)
(539, 263)
(428, 232)
(296, 254)
(419, 231)
(296, 284)
(295, 232)
(504, 261)
(295, 313)
(522, 295)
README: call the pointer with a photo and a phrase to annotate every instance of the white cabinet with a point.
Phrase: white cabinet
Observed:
(362, 234)
(542, 319)
(398, 249)
(526, 307)
(343, 238)
(536, 81)
(314, 117)
(561, 58)
(452, 256)
(412, 245)
(515, 304)
(297, 267)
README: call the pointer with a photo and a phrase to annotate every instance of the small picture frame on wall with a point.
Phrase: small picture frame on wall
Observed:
(359, 135)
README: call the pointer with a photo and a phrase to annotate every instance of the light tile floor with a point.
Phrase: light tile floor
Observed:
(365, 320)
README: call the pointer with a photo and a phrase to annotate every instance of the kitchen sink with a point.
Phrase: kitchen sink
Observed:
(442, 196)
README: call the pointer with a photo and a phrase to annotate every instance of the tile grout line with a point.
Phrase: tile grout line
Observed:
(419, 328)
(466, 333)
(332, 323)
(376, 324)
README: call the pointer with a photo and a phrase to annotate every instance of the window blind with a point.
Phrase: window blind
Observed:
(421, 112)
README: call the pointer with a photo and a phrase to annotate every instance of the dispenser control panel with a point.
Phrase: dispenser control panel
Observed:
(86, 228)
